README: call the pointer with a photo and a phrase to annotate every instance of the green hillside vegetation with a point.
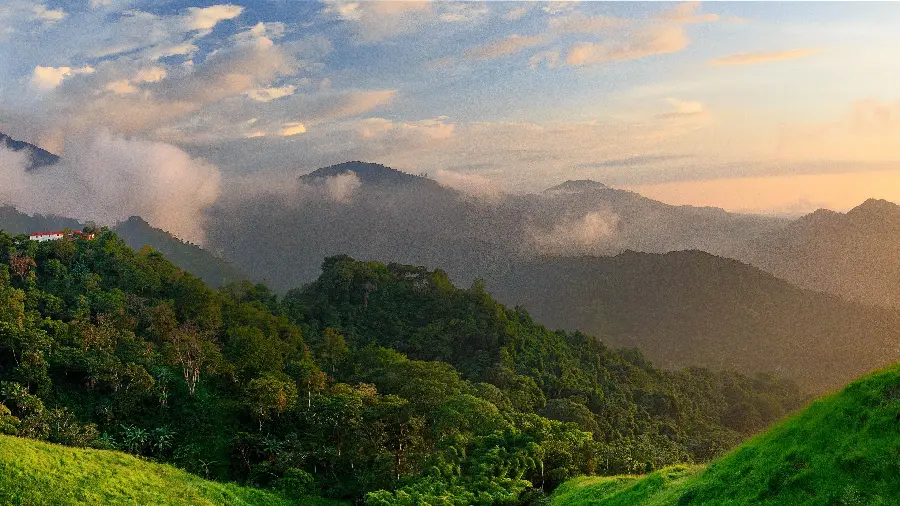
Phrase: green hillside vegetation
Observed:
(377, 383)
(842, 450)
(33, 473)
(214, 271)
(137, 234)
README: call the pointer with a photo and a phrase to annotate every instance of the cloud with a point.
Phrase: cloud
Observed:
(48, 78)
(107, 178)
(269, 94)
(290, 129)
(341, 188)
(468, 183)
(132, 84)
(554, 8)
(650, 41)
(755, 57)
(516, 13)
(462, 12)
(663, 33)
(579, 23)
(685, 110)
(686, 12)
(42, 13)
(206, 18)
(372, 22)
(590, 233)
(505, 47)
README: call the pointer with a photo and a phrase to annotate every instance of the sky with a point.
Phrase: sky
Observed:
(762, 107)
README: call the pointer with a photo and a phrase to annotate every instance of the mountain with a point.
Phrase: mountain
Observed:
(840, 450)
(373, 212)
(367, 173)
(854, 254)
(39, 157)
(137, 233)
(14, 222)
(39, 474)
(692, 308)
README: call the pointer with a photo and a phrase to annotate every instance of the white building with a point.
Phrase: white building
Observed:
(55, 236)
(46, 236)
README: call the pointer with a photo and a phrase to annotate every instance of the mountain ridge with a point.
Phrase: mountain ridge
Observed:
(38, 157)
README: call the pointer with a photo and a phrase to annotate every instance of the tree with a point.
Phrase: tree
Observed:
(194, 352)
(21, 264)
(268, 396)
(334, 348)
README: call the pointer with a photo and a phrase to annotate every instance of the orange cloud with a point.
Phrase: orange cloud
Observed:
(762, 57)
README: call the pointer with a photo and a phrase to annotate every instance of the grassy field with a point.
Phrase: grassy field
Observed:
(33, 473)
(842, 450)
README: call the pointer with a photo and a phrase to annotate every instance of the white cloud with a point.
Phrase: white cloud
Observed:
(107, 178)
(42, 13)
(206, 18)
(588, 234)
(48, 78)
(559, 7)
(341, 188)
(131, 85)
(471, 184)
(269, 94)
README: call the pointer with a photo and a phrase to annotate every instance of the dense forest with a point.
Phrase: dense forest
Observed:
(382, 384)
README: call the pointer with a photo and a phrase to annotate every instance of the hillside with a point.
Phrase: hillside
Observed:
(854, 254)
(33, 473)
(843, 449)
(382, 214)
(692, 308)
(377, 382)
(137, 233)
(38, 157)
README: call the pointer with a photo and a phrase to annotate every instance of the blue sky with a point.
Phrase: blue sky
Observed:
(686, 102)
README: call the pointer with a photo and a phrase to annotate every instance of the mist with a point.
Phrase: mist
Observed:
(107, 178)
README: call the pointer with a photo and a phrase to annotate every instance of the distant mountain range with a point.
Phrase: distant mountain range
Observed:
(692, 308)
(38, 157)
(393, 216)
(854, 254)
(567, 254)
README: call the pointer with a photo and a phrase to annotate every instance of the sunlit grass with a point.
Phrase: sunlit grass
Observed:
(842, 450)
(33, 473)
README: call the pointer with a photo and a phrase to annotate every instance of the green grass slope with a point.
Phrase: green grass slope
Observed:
(34, 473)
(842, 450)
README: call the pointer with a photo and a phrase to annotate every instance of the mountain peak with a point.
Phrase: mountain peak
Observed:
(39, 157)
(368, 173)
(878, 208)
(576, 186)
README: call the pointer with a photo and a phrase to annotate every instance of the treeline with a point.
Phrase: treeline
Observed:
(377, 383)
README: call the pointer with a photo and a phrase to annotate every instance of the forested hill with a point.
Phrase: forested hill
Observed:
(692, 308)
(381, 383)
(137, 233)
